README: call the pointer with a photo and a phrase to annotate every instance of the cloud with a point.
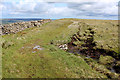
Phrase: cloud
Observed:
(34, 9)
(73, 8)
(96, 7)
(76, 1)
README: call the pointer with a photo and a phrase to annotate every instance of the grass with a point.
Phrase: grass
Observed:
(19, 61)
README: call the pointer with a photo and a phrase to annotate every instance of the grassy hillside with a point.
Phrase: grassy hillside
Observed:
(30, 54)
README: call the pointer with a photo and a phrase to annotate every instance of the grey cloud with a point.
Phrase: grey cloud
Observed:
(92, 8)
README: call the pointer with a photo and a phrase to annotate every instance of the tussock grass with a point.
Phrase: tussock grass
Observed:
(51, 62)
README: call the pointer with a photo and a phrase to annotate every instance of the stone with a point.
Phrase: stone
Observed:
(64, 46)
(16, 27)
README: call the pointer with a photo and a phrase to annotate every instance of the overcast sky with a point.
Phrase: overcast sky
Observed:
(55, 9)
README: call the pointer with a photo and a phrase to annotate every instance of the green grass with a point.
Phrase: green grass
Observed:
(1, 57)
(51, 62)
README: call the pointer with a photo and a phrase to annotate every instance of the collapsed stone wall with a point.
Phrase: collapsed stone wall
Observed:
(19, 26)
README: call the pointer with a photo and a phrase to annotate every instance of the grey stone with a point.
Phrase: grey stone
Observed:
(19, 26)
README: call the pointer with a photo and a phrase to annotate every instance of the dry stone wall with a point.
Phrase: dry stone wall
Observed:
(19, 26)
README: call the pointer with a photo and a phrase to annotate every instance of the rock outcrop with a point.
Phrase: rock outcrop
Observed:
(19, 26)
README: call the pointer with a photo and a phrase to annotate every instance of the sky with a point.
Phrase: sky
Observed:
(56, 9)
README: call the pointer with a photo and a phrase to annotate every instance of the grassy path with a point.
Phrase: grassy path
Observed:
(22, 60)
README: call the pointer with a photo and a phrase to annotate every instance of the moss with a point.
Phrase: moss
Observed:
(106, 60)
(101, 68)
(118, 63)
(6, 44)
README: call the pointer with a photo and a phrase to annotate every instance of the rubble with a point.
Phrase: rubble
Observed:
(19, 26)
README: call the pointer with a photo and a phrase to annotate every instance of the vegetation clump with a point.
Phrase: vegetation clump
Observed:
(101, 68)
(85, 41)
(106, 60)
(6, 44)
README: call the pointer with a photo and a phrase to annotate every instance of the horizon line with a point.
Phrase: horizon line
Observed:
(57, 18)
